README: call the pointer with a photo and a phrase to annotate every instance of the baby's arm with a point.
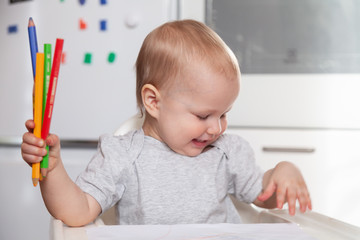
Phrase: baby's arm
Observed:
(284, 183)
(62, 197)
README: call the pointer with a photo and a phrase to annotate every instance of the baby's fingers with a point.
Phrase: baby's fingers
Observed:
(268, 192)
(32, 148)
(30, 125)
(32, 154)
(304, 201)
(280, 197)
(291, 199)
(31, 139)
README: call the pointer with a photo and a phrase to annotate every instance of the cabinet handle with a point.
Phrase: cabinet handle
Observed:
(288, 149)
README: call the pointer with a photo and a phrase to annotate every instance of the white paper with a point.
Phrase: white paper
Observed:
(272, 231)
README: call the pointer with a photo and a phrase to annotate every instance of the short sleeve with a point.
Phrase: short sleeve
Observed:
(105, 174)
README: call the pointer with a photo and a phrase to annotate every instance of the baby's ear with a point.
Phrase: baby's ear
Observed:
(151, 97)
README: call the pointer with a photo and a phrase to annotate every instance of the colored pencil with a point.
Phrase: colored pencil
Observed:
(33, 49)
(33, 44)
(39, 76)
(47, 71)
(52, 88)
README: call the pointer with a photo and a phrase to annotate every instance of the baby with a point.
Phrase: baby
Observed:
(179, 167)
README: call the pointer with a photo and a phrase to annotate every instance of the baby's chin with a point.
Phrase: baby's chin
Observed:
(193, 152)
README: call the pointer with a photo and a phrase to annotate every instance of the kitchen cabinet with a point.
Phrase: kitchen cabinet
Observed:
(328, 159)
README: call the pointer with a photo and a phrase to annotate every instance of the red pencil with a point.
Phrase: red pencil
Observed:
(52, 88)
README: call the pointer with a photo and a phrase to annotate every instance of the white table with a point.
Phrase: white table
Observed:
(316, 225)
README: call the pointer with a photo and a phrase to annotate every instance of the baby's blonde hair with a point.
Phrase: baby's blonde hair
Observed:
(167, 49)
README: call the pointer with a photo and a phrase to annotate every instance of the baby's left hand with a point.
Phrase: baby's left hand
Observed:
(287, 182)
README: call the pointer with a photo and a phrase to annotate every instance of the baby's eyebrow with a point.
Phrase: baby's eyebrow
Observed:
(209, 112)
(201, 113)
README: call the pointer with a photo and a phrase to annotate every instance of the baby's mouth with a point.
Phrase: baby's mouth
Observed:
(200, 143)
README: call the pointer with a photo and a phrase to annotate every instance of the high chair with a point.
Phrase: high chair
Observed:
(314, 224)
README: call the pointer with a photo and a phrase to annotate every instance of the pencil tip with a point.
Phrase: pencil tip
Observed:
(43, 171)
(35, 181)
(31, 22)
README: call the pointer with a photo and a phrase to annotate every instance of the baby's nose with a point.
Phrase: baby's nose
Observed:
(215, 127)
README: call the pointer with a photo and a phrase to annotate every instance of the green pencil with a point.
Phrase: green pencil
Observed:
(47, 71)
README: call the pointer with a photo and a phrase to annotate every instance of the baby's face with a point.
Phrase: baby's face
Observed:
(193, 116)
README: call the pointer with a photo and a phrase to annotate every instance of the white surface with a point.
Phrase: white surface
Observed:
(278, 231)
(315, 225)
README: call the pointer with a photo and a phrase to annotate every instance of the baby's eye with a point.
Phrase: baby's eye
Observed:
(202, 117)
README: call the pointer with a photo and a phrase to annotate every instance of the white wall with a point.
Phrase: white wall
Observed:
(192, 10)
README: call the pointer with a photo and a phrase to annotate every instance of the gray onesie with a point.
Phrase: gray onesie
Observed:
(151, 184)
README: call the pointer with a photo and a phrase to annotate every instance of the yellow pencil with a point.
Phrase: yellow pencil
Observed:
(38, 103)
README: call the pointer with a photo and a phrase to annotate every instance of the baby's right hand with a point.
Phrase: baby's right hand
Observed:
(33, 148)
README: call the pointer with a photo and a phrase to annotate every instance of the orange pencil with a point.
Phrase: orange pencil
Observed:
(38, 102)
